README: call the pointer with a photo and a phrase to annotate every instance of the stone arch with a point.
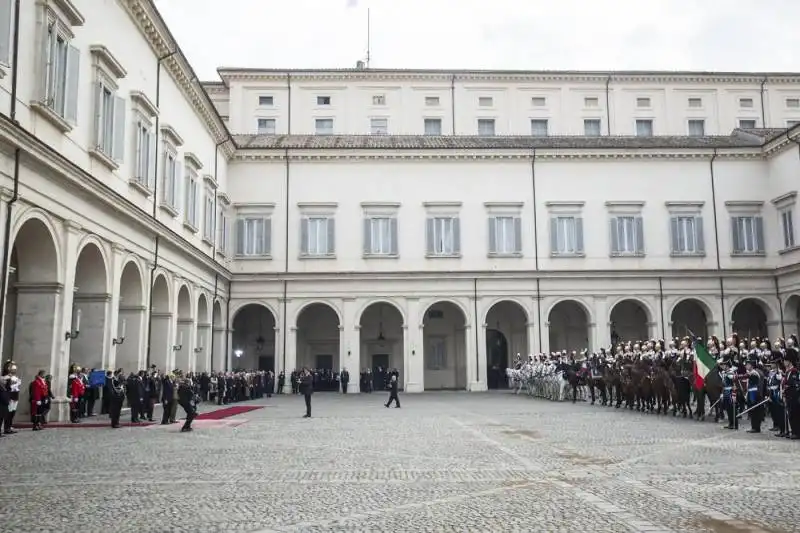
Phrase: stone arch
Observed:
(254, 333)
(33, 297)
(131, 316)
(184, 303)
(90, 306)
(749, 317)
(791, 314)
(381, 343)
(185, 340)
(452, 301)
(510, 299)
(93, 242)
(239, 305)
(162, 296)
(326, 303)
(387, 301)
(690, 316)
(506, 334)
(585, 307)
(318, 330)
(202, 309)
(630, 320)
(445, 327)
(162, 335)
(568, 324)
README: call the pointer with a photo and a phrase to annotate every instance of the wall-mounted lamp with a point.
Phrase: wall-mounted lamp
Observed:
(178, 347)
(238, 353)
(121, 338)
(73, 334)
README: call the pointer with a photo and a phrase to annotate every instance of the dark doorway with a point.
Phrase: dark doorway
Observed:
(266, 363)
(324, 362)
(380, 360)
(496, 359)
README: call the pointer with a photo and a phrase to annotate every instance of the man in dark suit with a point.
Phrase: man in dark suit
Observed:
(393, 392)
(306, 386)
(345, 379)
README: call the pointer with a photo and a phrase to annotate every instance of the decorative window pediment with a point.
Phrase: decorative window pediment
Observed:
(785, 200)
(103, 59)
(317, 208)
(504, 208)
(223, 198)
(380, 208)
(565, 208)
(143, 104)
(684, 208)
(625, 207)
(193, 161)
(209, 180)
(442, 208)
(265, 208)
(71, 13)
(746, 207)
(171, 136)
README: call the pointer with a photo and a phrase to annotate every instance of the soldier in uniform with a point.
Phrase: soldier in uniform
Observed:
(775, 400)
(755, 395)
(116, 388)
(728, 392)
(791, 394)
(12, 386)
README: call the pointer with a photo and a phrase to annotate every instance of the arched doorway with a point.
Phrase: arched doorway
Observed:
(161, 338)
(569, 326)
(318, 344)
(32, 298)
(506, 336)
(629, 322)
(90, 309)
(219, 355)
(445, 347)
(749, 319)
(381, 344)
(131, 319)
(253, 342)
(203, 340)
(689, 319)
(183, 340)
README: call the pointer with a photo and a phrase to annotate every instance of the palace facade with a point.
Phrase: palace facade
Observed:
(326, 219)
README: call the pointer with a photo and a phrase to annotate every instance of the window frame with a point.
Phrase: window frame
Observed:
(785, 205)
(566, 210)
(317, 211)
(317, 121)
(437, 120)
(652, 123)
(487, 121)
(268, 120)
(373, 211)
(599, 123)
(626, 210)
(746, 209)
(440, 211)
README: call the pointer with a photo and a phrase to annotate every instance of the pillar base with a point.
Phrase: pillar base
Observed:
(353, 387)
(477, 386)
(414, 387)
(59, 410)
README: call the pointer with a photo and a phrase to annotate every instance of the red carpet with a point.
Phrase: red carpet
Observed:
(227, 412)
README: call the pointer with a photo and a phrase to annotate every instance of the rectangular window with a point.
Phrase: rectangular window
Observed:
(505, 235)
(591, 127)
(266, 126)
(485, 101)
(697, 128)
(793, 103)
(787, 225)
(686, 233)
(379, 99)
(443, 236)
(145, 147)
(643, 102)
(591, 101)
(190, 199)
(324, 126)
(109, 122)
(61, 71)
(433, 126)
(431, 101)
(6, 30)
(266, 101)
(745, 102)
(379, 126)
(486, 127)
(222, 232)
(380, 236)
(627, 235)
(644, 128)
(171, 175)
(566, 235)
(695, 102)
(748, 234)
(323, 100)
(538, 101)
(208, 216)
(539, 127)
(253, 236)
(747, 124)
(317, 236)
(436, 354)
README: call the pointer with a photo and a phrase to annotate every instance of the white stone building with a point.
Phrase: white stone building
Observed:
(130, 211)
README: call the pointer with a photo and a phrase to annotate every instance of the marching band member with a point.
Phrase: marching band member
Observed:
(12, 385)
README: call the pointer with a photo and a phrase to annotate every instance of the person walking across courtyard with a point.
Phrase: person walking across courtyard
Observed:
(306, 386)
(393, 393)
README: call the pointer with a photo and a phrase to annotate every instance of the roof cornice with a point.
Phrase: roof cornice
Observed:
(155, 30)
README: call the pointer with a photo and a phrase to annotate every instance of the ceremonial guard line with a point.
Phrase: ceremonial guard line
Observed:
(733, 379)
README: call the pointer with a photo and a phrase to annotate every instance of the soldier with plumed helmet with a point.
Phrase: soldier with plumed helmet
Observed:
(755, 395)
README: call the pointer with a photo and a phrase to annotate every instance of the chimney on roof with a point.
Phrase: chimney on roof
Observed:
(360, 65)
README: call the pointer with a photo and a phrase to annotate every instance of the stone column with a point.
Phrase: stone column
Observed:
(229, 358)
(602, 333)
(131, 328)
(161, 342)
(202, 361)
(61, 357)
(414, 364)
(218, 363)
(89, 348)
(291, 357)
(354, 360)
(114, 320)
(481, 383)
(184, 357)
(533, 340)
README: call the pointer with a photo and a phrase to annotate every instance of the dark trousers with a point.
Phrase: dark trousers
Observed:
(105, 403)
(90, 404)
(114, 411)
(308, 404)
(393, 397)
(74, 410)
(344, 387)
(166, 416)
(136, 410)
(733, 422)
(756, 418)
(6, 418)
(794, 420)
(776, 412)
(149, 405)
(191, 412)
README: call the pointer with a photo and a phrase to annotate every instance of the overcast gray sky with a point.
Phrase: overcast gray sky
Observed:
(737, 35)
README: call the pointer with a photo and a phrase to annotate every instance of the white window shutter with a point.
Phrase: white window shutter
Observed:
(736, 236)
(119, 128)
(578, 235)
(639, 231)
(518, 235)
(758, 223)
(44, 56)
(151, 161)
(492, 235)
(6, 30)
(456, 235)
(266, 245)
(699, 235)
(554, 248)
(304, 235)
(430, 235)
(393, 236)
(331, 236)
(674, 232)
(98, 112)
(240, 236)
(73, 85)
(177, 185)
(367, 235)
(614, 230)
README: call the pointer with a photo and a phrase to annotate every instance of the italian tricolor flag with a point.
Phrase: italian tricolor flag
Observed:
(703, 364)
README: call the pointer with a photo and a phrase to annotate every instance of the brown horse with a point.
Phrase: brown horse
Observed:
(713, 391)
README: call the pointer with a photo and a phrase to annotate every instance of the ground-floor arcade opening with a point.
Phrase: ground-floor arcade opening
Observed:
(132, 314)
(183, 342)
(749, 318)
(690, 318)
(629, 322)
(318, 331)
(506, 337)
(162, 337)
(381, 346)
(568, 322)
(253, 339)
(445, 347)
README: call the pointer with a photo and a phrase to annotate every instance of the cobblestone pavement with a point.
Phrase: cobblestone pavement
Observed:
(444, 462)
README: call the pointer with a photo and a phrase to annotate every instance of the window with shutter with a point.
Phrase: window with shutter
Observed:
(379, 236)
(787, 227)
(503, 238)
(443, 236)
(747, 235)
(686, 235)
(6, 30)
(317, 236)
(253, 236)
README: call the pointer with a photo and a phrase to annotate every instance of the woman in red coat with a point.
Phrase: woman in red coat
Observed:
(38, 396)
(76, 389)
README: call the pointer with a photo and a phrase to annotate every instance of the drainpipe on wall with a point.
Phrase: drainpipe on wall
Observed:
(535, 217)
(763, 107)
(287, 183)
(716, 241)
(661, 306)
(608, 106)
(227, 321)
(289, 103)
(213, 304)
(539, 311)
(150, 304)
(477, 325)
(780, 305)
(453, 101)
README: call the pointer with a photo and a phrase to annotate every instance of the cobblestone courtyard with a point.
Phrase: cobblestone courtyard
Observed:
(444, 462)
